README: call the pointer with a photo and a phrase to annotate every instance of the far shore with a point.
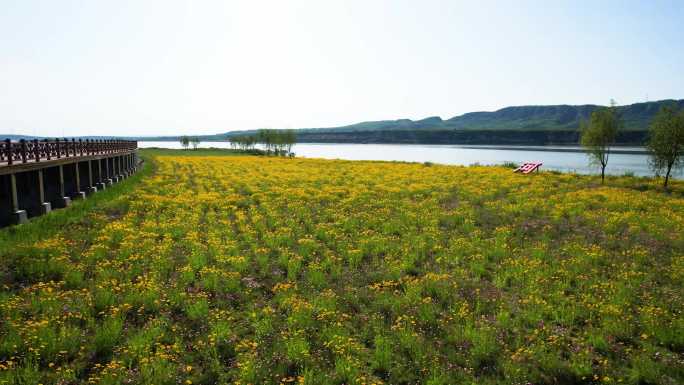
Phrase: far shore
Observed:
(574, 148)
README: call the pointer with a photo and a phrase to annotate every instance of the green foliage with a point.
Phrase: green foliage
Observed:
(195, 141)
(197, 309)
(666, 140)
(185, 141)
(107, 335)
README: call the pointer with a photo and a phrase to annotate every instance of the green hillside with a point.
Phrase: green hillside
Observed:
(528, 118)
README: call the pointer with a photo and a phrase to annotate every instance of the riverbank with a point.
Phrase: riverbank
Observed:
(226, 269)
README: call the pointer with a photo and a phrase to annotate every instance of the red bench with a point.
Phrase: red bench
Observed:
(528, 167)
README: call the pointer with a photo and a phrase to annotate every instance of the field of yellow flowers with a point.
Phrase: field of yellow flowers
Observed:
(259, 270)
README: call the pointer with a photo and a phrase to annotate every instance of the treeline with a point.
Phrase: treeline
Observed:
(186, 141)
(276, 142)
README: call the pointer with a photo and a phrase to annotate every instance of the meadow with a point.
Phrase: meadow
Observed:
(208, 269)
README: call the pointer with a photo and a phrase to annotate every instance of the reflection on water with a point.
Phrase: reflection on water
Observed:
(618, 164)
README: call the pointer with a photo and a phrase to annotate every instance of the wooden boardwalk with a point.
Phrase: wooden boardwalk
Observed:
(37, 175)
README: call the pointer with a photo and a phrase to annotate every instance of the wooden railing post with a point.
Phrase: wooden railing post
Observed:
(48, 150)
(23, 151)
(36, 150)
(8, 152)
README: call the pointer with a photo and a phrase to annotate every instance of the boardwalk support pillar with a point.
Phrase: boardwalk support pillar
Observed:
(45, 207)
(108, 179)
(100, 180)
(63, 200)
(19, 216)
(78, 194)
(91, 187)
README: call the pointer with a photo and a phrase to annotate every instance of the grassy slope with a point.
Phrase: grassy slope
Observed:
(262, 270)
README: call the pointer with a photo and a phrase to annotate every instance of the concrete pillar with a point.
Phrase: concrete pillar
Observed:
(19, 216)
(100, 178)
(91, 187)
(77, 193)
(122, 171)
(108, 178)
(45, 206)
(115, 170)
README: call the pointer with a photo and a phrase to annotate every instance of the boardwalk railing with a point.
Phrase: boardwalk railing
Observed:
(25, 151)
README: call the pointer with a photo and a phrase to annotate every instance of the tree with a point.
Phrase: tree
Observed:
(290, 138)
(195, 142)
(666, 140)
(265, 137)
(185, 142)
(599, 134)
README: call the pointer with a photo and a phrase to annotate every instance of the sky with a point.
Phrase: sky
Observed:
(201, 67)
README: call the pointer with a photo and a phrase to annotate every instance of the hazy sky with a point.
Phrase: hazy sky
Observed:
(169, 67)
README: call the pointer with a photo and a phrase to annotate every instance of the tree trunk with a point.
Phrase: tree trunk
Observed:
(603, 174)
(667, 176)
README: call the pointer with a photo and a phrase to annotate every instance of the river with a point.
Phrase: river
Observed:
(560, 158)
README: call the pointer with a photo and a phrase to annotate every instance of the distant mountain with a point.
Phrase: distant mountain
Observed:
(522, 118)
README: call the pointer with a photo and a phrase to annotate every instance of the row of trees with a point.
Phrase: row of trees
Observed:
(186, 141)
(665, 143)
(278, 142)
